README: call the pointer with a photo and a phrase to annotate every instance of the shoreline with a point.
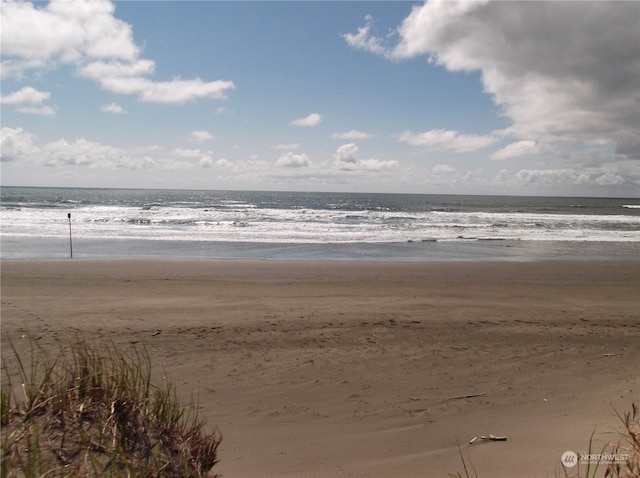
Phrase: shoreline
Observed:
(476, 250)
(335, 368)
(274, 270)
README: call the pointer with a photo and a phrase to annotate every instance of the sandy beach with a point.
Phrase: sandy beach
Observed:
(344, 369)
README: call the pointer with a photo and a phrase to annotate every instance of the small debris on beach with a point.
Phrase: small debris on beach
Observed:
(490, 438)
(472, 395)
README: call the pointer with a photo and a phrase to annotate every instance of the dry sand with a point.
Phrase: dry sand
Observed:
(343, 369)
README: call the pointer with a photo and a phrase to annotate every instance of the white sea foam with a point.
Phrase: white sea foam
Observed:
(244, 222)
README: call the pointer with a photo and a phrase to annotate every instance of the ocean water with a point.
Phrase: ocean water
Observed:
(314, 226)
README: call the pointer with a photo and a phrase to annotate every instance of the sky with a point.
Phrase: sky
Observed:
(459, 97)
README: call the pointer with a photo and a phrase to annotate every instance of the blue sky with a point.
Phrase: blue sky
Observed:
(434, 97)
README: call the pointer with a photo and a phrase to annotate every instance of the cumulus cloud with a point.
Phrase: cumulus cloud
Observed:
(65, 30)
(127, 79)
(29, 100)
(346, 158)
(187, 153)
(185, 158)
(353, 134)
(206, 162)
(286, 146)
(224, 163)
(591, 158)
(18, 69)
(364, 39)
(19, 145)
(292, 160)
(25, 95)
(311, 120)
(447, 140)
(347, 153)
(80, 152)
(113, 108)
(443, 169)
(111, 70)
(200, 136)
(16, 143)
(86, 34)
(517, 150)
(561, 71)
(375, 164)
(546, 177)
(43, 110)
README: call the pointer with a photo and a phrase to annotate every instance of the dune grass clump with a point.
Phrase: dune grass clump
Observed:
(619, 459)
(93, 411)
(628, 445)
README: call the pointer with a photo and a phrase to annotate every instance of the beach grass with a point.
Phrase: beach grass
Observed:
(628, 445)
(93, 410)
(619, 458)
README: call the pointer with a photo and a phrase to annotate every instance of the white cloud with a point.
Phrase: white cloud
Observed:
(61, 152)
(561, 71)
(591, 158)
(364, 39)
(589, 170)
(127, 79)
(311, 120)
(114, 108)
(21, 146)
(353, 134)
(26, 95)
(443, 169)
(86, 34)
(145, 163)
(568, 176)
(16, 143)
(618, 176)
(224, 163)
(101, 70)
(206, 162)
(17, 69)
(29, 100)
(517, 150)
(80, 152)
(187, 153)
(286, 146)
(65, 30)
(200, 136)
(42, 110)
(174, 91)
(188, 158)
(347, 153)
(375, 164)
(346, 158)
(447, 140)
(291, 160)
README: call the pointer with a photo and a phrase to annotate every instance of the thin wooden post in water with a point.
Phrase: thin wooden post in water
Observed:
(70, 241)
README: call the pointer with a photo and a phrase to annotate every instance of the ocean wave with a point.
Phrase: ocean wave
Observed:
(303, 218)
